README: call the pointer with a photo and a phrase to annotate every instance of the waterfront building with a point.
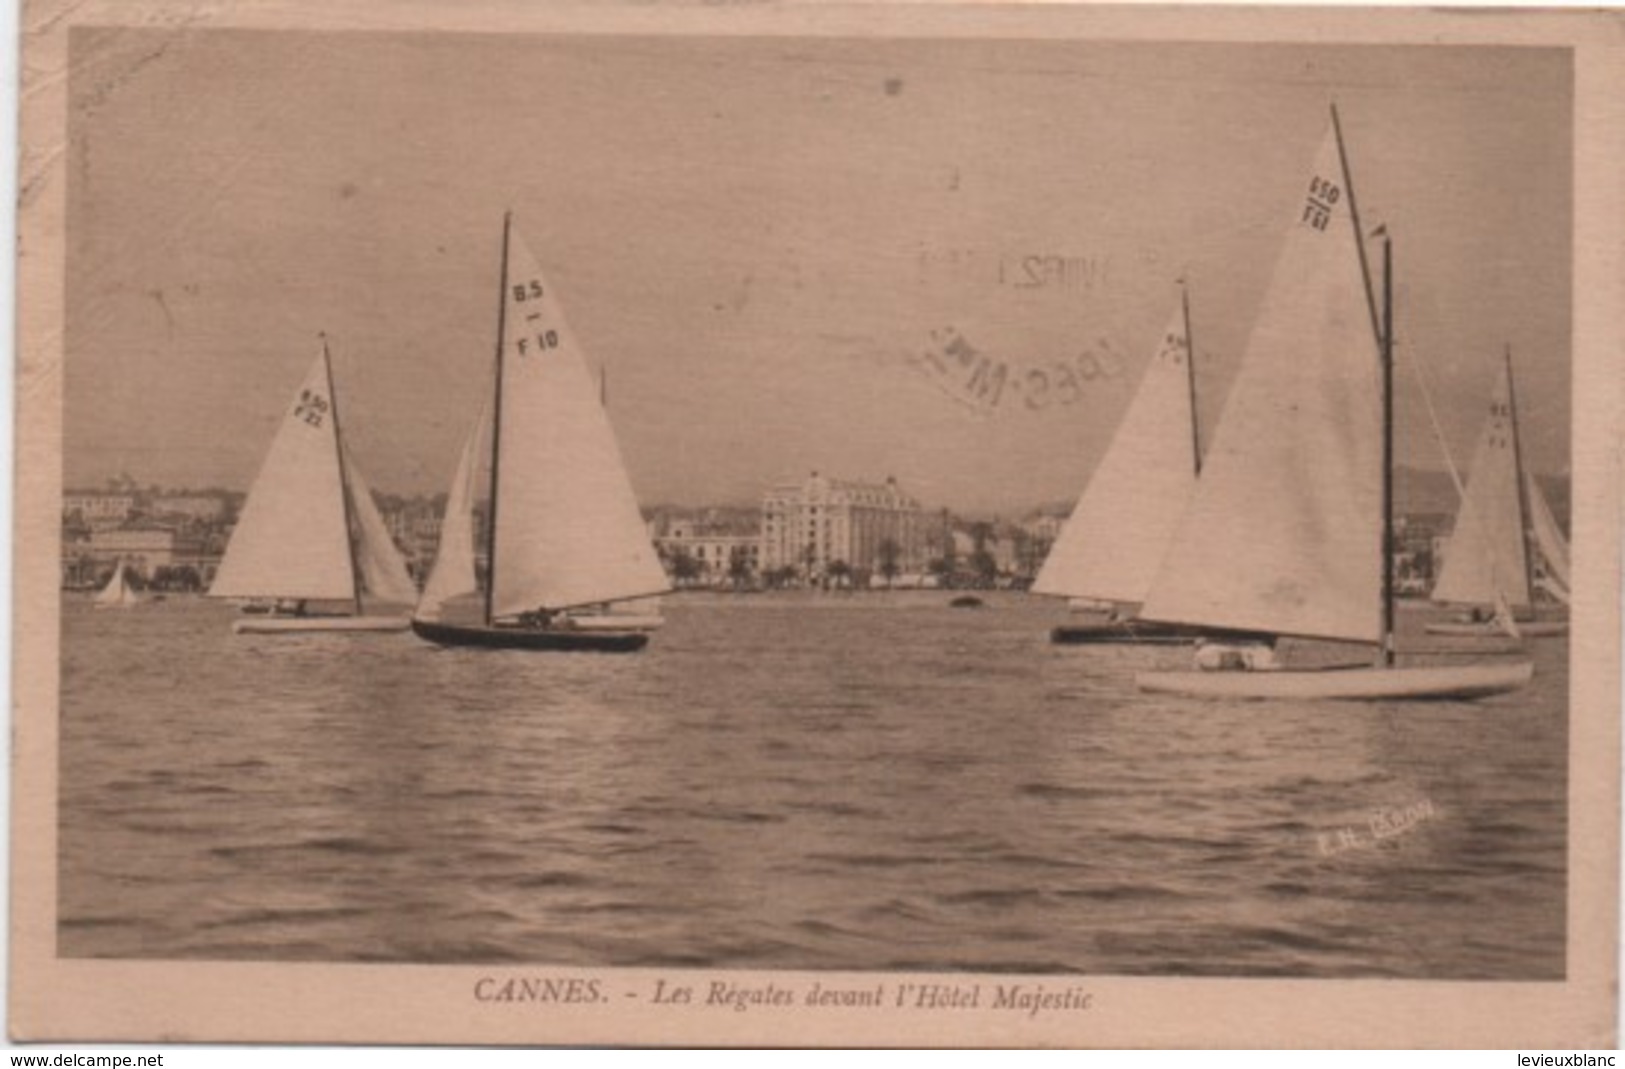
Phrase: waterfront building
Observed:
(199, 508)
(97, 509)
(867, 527)
(711, 550)
(147, 551)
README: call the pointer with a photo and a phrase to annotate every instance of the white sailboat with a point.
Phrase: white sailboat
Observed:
(119, 593)
(1108, 552)
(310, 532)
(564, 532)
(1288, 532)
(1490, 560)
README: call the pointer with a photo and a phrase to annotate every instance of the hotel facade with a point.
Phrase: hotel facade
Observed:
(808, 526)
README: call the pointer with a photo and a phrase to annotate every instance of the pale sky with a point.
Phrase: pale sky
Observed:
(762, 238)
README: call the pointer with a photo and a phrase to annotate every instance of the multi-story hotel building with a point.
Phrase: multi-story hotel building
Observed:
(809, 525)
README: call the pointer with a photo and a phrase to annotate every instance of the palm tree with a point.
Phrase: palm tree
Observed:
(739, 566)
(889, 552)
(684, 568)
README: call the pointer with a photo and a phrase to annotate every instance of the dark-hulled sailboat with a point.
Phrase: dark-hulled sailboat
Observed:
(1108, 553)
(563, 530)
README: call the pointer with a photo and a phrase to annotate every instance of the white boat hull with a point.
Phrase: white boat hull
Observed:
(1532, 629)
(283, 625)
(1345, 684)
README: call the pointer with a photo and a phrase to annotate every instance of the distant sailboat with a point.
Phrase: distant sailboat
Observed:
(563, 531)
(310, 532)
(1490, 560)
(119, 593)
(1108, 552)
(1288, 532)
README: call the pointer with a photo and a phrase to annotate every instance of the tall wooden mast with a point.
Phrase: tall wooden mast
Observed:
(496, 433)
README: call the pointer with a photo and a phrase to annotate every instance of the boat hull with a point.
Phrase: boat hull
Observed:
(1140, 633)
(287, 625)
(573, 640)
(1532, 629)
(1438, 683)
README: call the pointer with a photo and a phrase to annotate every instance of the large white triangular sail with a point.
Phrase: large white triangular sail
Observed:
(1120, 529)
(1284, 532)
(453, 574)
(1549, 540)
(383, 569)
(292, 539)
(568, 529)
(1486, 558)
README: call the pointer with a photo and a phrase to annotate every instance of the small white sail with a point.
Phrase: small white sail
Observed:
(453, 573)
(118, 593)
(1485, 558)
(568, 529)
(1505, 618)
(292, 539)
(1284, 532)
(1549, 540)
(1120, 530)
(383, 569)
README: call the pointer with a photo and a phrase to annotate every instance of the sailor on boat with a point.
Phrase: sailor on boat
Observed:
(544, 619)
(1214, 655)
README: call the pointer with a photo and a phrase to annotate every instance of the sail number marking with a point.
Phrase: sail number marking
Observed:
(542, 340)
(1323, 195)
(312, 408)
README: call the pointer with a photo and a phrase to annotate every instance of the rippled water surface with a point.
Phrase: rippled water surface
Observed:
(799, 781)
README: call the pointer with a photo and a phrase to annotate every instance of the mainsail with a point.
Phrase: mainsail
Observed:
(1284, 532)
(1121, 527)
(567, 527)
(292, 539)
(1486, 559)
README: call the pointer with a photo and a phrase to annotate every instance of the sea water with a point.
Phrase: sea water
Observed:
(798, 781)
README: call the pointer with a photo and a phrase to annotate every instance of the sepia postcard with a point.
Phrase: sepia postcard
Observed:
(773, 524)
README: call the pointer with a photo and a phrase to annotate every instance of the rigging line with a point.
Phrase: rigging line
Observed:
(1433, 417)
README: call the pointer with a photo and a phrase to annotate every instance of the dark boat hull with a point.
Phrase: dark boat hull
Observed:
(1140, 633)
(530, 638)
